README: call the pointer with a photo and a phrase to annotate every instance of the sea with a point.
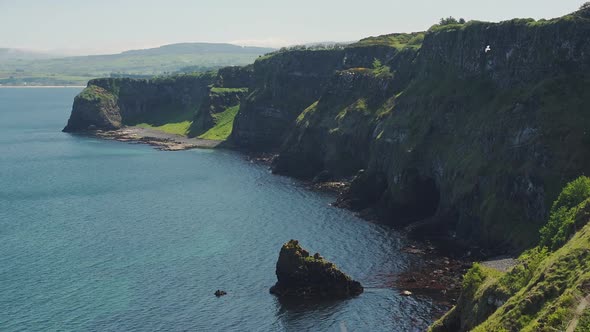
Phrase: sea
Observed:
(99, 235)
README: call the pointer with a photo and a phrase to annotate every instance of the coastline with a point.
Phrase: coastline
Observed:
(437, 276)
(158, 139)
(40, 86)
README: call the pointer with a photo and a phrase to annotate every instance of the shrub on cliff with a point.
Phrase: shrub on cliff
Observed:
(448, 23)
(562, 219)
(381, 70)
(451, 20)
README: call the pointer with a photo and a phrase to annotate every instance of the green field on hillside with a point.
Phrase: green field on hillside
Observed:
(169, 59)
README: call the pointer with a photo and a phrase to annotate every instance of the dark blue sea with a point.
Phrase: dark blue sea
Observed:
(100, 235)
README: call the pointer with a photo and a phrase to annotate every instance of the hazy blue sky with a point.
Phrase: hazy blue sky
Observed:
(115, 25)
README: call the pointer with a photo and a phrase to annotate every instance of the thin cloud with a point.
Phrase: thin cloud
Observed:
(268, 42)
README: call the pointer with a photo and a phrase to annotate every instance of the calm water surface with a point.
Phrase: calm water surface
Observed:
(107, 236)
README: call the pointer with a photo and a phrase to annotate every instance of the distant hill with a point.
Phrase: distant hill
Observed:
(202, 48)
(20, 54)
(26, 69)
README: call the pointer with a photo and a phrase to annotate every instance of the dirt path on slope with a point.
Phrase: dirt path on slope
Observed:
(584, 302)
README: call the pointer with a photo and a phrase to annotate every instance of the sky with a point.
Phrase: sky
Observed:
(109, 26)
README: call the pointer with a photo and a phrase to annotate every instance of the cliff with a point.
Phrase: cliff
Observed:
(468, 140)
(464, 133)
(110, 103)
(286, 83)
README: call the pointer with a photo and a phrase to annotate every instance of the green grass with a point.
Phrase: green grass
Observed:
(562, 219)
(584, 323)
(173, 120)
(179, 128)
(94, 93)
(218, 90)
(397, 40)
(224, 122)
(41, 79)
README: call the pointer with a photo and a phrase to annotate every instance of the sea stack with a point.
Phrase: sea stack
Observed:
(304, 276)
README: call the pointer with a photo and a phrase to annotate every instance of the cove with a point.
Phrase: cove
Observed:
(99, 235)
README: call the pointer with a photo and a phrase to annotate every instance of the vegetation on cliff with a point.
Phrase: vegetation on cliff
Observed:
(224, 123)
(547, 291)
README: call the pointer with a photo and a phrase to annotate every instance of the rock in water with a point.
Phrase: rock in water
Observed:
(302, 275)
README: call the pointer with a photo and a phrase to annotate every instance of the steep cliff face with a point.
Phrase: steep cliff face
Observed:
(110, 103)
(331, 136)
(511, 52)
(288, 82)
(95, 108)
(490, 125)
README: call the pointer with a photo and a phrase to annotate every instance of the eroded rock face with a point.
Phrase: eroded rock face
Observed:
(305, 276)
(285, 84)
(95, 108)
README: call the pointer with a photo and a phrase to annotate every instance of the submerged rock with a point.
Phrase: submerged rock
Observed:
(302, 275)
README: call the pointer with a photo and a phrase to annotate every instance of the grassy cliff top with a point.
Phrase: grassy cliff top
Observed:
(395, 40)
(580, 15)
(95, 93)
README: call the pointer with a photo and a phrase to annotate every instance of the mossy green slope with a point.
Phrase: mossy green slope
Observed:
(224, 122)
(547, 291)
(215, 118)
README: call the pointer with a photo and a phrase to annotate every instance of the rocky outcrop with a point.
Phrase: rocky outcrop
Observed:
(96, 108)
(304, 276)
(110, 103)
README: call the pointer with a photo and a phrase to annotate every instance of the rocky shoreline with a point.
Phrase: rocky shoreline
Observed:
(158, 139)
(437, 276)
